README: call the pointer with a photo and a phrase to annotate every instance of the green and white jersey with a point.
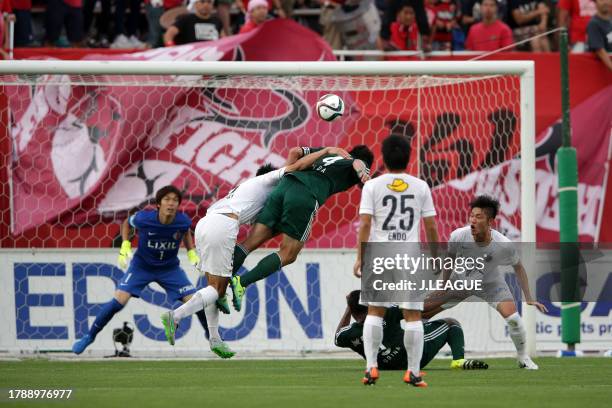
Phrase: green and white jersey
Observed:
(329, 175)
(392, 354)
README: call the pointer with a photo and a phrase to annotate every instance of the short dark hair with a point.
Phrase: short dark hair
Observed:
(164, 191)
(488, 204)
(353, 303)
(396, 152)
(266, 168)
(363, 153)
(404, 4)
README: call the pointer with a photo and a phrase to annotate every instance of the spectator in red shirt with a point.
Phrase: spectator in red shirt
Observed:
(446, 19)
(279, 8)
(390, 14)
(404, 30)
(64, 13)
(257, 15)
(576, 14)
(430, 10)
(491, 33)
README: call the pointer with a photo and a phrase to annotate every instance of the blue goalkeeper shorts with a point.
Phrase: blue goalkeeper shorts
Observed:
(174, 281)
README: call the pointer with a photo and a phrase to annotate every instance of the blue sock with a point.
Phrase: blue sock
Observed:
(107, 313)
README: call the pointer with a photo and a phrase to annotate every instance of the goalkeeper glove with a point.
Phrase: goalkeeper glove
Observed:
(125, 253)
(194, 259)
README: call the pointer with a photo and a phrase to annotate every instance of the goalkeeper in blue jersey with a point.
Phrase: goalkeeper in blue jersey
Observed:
(160, 234)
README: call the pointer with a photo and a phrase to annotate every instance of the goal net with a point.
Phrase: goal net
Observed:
(87, 143)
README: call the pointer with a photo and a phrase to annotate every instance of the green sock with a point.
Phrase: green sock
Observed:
(455, 341)
(240, 255)
(264, 268)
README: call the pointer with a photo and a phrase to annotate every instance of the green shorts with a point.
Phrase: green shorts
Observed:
(290, 209)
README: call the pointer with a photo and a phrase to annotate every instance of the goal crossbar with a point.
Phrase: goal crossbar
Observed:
(37, 67)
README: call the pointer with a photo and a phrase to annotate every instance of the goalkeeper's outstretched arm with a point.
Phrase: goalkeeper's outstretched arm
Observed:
(194, 259)
(188, 241)
(125, 253)
(125, 230)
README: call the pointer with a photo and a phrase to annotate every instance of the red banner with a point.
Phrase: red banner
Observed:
(85, 155)
(91, 153)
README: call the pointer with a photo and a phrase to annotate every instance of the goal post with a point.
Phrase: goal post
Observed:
(143, 110)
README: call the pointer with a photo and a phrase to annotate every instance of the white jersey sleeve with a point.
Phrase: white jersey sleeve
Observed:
(273, 177)
(500, 252)
(248, 198)
(453, 242)
(508, 255)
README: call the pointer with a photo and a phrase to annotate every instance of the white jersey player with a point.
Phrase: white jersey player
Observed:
(480, 240)
(397, 202)
(215, 238)
(392, 207)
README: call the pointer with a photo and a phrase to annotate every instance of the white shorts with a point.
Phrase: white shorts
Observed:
(493, 292)
(215, 238)
(401, 305)
(496, 292)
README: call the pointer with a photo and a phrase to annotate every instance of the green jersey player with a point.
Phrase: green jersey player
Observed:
(392, 353)
(291, 208)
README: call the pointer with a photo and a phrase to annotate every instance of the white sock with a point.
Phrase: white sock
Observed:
(372, 339)
(516, 329)
(198, 301)
(212, 317)
(413, 342)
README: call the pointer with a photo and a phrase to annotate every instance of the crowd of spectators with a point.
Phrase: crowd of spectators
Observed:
(438, 25)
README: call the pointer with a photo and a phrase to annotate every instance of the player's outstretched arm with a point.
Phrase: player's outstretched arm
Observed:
(192, 255)
(308, 160)
(365, 226)
(188, 241)
(125, 230)
(344, 321)
(521, 276)
(125, 253)
(431, 232)
(294, 155)
(362, 170)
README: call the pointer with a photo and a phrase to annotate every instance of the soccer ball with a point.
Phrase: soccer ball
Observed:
(330, 107)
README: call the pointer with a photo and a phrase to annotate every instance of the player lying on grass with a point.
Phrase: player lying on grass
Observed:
(291, 209)
(216, 235)
(160, 233)
(479, 239)
(392, 353)
(391, 210)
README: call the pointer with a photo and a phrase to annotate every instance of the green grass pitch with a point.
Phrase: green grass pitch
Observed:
(582, 383)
